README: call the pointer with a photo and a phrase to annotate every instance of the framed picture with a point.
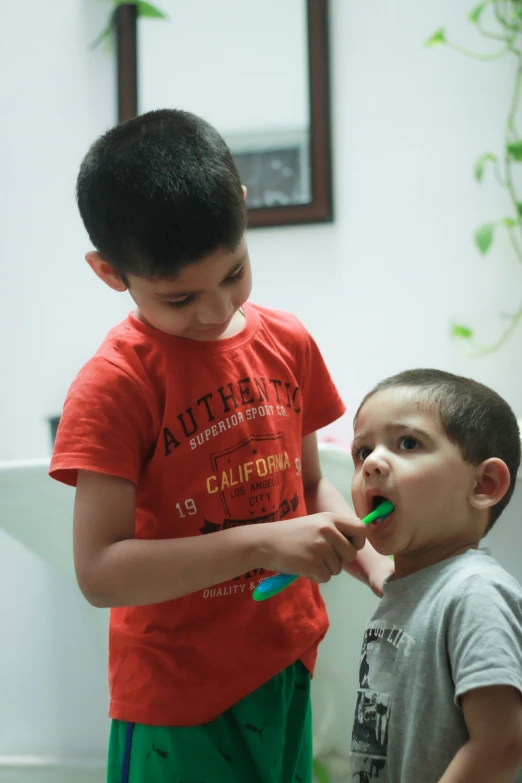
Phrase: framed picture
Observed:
(274, 167)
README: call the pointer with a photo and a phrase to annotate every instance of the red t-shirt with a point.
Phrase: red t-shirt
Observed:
(210, 433)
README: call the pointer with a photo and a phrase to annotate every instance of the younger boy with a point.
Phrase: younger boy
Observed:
(440, 677)
(192, 425)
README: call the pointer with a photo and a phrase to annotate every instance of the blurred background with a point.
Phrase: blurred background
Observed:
(384, 215)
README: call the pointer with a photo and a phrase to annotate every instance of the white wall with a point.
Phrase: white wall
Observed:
(377, 288)
(56, 97)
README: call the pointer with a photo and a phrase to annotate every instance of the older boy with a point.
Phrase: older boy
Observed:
(193, 426)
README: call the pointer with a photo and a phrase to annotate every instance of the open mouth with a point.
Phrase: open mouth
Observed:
(376, 501)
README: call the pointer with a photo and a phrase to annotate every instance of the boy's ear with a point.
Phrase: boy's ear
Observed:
(244, 192)
(105, 271)
(492, 483)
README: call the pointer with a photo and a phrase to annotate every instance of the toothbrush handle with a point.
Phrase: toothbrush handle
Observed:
(273, 585)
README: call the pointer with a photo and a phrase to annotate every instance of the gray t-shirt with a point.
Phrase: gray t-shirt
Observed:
(436, 634)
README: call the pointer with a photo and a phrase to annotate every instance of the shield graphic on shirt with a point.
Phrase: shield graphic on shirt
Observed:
(251, 477)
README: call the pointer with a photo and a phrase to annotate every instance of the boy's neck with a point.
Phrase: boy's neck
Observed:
(236, 325)
(410, 563)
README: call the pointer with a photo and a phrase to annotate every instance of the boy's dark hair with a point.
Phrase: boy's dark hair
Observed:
(160, 191)
(473, 417)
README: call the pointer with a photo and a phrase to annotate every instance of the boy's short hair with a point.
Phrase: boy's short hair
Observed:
(472, 416)
(160, 191)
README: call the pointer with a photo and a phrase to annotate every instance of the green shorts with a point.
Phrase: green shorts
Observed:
(264, 738)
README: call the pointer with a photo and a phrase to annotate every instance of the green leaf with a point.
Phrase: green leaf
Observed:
(514, 149)
(462, 332)
(481, 163)
(437, 38)
(150, 11)
(475, 15)
(509, 222)
(320, 773)
(484, 237)
(103, 35)
(144, 9)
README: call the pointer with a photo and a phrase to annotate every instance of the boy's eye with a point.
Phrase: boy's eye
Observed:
(408, 443)
(362, 453)
(231, 279)
(181, 302)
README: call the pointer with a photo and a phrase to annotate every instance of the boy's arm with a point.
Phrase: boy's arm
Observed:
(493, 753)
(320, 495)
(114, 568)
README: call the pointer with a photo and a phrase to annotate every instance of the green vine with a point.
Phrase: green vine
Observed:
(506, 16)
(144, 10)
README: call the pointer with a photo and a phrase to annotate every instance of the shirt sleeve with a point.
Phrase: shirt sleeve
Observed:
(321, 401)
(106, 425)
(485, 635)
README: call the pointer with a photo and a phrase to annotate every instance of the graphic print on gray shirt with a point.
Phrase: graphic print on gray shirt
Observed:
(435, 635)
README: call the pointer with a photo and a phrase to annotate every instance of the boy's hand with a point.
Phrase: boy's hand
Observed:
(315, 546)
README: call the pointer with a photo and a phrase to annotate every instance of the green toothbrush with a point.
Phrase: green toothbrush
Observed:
(274, 584)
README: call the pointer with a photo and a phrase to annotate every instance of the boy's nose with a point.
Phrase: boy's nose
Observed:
(216, 311)
(376, 464)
